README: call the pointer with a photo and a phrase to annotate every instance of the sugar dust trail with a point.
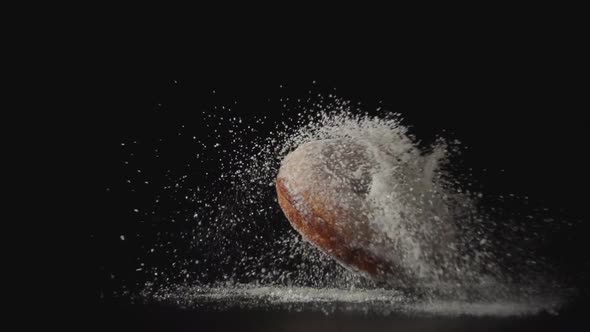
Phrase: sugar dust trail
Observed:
(225, 242)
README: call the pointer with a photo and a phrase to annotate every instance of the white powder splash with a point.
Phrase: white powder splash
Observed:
(231, 244)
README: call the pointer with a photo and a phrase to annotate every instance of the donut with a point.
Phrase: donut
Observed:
(322, 188)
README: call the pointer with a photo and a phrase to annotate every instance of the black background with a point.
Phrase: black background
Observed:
(518, 105)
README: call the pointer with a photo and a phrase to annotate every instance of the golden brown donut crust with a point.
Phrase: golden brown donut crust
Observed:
(322, 228)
